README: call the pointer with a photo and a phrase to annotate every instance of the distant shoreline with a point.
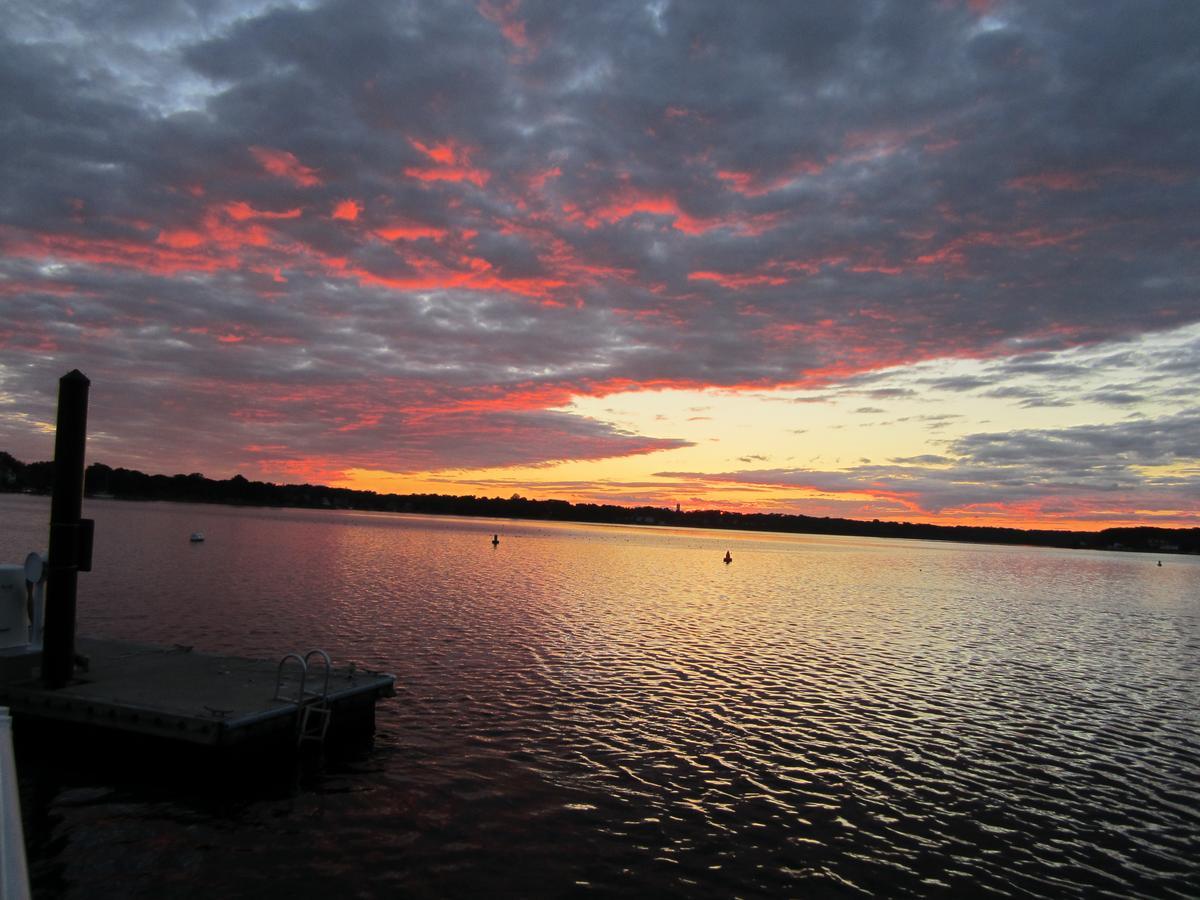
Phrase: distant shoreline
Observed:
(102, 481)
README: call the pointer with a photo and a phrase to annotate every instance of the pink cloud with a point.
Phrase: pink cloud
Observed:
(737, 282)
(453, 164)
(409, 231)
(284, 165)
(240, 210)
(754, 184)
(505, 16)
(1053, 181)
(347, 210)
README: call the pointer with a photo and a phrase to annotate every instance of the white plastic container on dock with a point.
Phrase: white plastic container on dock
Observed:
(14, 619)
(21, 639)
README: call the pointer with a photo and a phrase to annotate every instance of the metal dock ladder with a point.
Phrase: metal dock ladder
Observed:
(314, 708)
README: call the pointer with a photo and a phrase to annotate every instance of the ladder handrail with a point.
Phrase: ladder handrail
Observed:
(328, 668)
(303, 676)
(308, 703)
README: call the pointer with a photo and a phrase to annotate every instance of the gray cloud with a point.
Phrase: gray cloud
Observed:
(560, 199)
(1087, 471)
(1027, 397)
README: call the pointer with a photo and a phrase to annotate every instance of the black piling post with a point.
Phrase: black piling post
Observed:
(70, 536)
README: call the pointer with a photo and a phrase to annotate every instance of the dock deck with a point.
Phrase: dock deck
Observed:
(201, 699)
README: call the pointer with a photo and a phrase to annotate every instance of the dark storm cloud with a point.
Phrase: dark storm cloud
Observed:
(494, 207)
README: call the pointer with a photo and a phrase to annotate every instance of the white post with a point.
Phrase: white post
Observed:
(14, 874)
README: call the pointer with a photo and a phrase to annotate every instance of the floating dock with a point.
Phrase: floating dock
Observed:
(198, 699)
(129, 693)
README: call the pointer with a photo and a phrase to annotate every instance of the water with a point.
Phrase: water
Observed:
(599, 710)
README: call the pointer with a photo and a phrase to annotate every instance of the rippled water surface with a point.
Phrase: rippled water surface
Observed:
(599, 709)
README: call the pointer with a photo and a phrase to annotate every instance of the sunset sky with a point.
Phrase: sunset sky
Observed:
(925, 261)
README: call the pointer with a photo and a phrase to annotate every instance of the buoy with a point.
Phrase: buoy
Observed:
(495, 539)
(728, 557)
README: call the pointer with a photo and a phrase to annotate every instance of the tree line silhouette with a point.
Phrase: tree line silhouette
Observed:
(128, 484)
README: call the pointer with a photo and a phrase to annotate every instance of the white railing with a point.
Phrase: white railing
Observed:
(14, 874)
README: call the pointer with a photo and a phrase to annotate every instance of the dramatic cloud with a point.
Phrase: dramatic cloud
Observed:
(297, 238)
(1084, 473)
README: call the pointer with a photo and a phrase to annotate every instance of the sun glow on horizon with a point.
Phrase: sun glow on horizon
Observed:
(857, 450)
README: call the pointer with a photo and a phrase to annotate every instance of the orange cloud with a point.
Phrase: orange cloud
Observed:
(366, 420)
(208, 245)
(752, 184)
(347, 210)
(240, 211)
(145, 253)
(409, 232)
(505, 15)
(538, 181)
(447, 154)
(954, 253)
(477, 177)
(180, 239)
(284, 165)
(53, 288)
(630, 201)
(466, 273)
(453, 164)
(239, 334)
(737, 282)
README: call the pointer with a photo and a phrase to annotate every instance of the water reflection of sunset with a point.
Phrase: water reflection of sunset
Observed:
(615, 704)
